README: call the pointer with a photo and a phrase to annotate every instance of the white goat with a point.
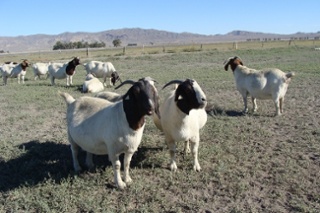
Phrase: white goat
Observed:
(270, 83)
(92, 84)
(182, 116)
(62, 71)
(102, 70)
(40, 69)
(12, 70)
(101, 127)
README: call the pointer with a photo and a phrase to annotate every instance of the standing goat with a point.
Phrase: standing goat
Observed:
(12, 70)
(62, 71)
(102, 127)
(103, 70)
(182, 116)
(40, 69)
(270, 83)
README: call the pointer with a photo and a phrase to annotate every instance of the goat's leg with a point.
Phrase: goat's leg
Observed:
(75, 150)
(70, 80)
(186, 147)
(281, 100)
(172, 149)
(245, 102)
(116, 170)
(67, 79)
(52, 80)
(194, 151)
(105, 81)
(18, 77)
(254, 103)
(127, 160)
(277, 106)
(89, 161)
(5, 79)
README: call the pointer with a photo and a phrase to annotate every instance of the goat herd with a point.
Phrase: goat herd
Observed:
(180, 116)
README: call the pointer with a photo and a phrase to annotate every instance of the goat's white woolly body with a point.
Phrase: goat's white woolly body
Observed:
(40, 69)
(110, 96)
(92, 84)
(100, 70)
(59, 71)
(14, 71)
(102, 127)
(260, 84)
(179, 126)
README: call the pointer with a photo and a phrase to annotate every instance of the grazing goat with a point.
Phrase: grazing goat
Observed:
(62, 71)
(103, 70)
(102, 127)
(40, 69)
(182, 116)
(270, 83)
(12, 70)
(92, 84)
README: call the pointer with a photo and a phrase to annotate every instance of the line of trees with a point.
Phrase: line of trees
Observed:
(76, 45)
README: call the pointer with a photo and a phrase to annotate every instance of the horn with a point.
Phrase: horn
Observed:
(172, 82)
(125, 82)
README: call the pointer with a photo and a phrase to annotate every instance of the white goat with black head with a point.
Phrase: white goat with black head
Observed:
(102, 127)
(270, 83)
(14, 70)
(103, 70)
(182, 116)
(63, 71)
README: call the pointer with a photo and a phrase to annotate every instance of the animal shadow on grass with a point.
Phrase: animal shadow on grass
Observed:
(50, 160)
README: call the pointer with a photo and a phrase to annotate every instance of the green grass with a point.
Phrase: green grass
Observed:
(253, 163)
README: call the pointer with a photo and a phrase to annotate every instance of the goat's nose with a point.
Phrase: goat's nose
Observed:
(203, 99)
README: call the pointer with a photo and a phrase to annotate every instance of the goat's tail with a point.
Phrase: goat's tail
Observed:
(67, 97)
(290, 74)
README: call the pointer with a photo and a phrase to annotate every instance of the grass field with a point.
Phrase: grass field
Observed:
(252, 163)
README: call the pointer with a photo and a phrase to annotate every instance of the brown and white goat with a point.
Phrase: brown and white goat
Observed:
(270, 83)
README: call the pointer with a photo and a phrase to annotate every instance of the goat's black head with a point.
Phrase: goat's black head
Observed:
(140, 100)
(188, 95)
(233, 62)
(115, 78)
(71, 67)
(24, 64)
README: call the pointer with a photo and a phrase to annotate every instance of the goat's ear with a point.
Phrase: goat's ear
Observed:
(226, 66)
(179, 93)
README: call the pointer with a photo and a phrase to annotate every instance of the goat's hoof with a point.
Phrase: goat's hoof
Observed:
(128, 179)
(121, 185)
(173, 167)
(197, 168)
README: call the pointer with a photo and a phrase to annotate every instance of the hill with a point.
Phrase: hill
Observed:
(133, 36)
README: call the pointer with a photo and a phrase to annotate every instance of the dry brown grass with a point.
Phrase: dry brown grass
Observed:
(253, 163)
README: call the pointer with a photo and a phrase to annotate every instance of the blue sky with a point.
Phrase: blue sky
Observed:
(209, 17)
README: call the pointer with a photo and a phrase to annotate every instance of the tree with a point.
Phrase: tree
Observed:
(116, 42)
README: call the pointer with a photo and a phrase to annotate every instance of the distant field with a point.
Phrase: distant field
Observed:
(253, 163)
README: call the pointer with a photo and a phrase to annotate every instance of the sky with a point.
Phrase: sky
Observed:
(208, 17)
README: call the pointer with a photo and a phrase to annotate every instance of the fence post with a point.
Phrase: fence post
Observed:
(124, 50)
(235, 45)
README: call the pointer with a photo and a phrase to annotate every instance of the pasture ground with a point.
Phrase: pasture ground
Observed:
(252, 163)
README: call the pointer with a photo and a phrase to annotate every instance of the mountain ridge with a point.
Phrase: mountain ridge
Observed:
(139, 36)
